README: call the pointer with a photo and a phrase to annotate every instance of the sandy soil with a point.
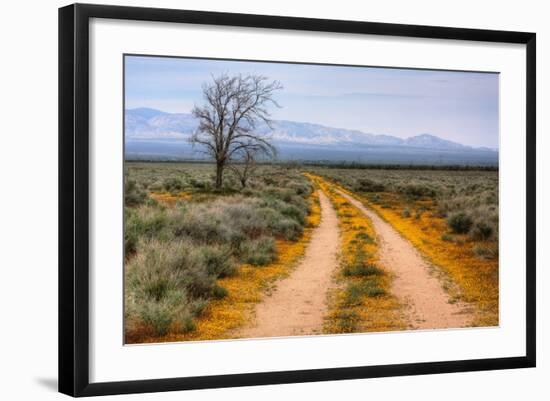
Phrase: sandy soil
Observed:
(299, 302)
(427, 303)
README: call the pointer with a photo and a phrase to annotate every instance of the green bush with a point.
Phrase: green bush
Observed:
(134, 195)
(375, 291)
(197, 183)
(460, 223)
(356, 291)
(374, 198)
(142, 223)
(364, 237)
(173, 184)
(346, 321)
(167, 284)
(486, 251)
(259, 252)
(242, 214)
(360, 269)
(417, 191)
(218, 260)
(130, 242)
(481, 231)
(367, 185)
(219, 292)
(204, 224)
(157, 315)
(278, 224)
(295, 213)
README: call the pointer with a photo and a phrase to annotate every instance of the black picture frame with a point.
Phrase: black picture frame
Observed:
(74, 198)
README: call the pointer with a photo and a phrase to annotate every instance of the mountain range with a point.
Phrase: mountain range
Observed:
(151, 133)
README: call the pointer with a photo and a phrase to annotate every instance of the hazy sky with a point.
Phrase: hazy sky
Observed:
(459, 106)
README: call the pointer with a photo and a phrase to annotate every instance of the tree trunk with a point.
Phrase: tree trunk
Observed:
(244, 176)
(219, 175)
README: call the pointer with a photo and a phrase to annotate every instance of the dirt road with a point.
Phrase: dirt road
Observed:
(427, 303)
(299, 303)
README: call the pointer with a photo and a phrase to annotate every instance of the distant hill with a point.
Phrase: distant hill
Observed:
(154, 134)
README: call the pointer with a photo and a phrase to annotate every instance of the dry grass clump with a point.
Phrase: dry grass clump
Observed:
(134, 194)
(166, 287)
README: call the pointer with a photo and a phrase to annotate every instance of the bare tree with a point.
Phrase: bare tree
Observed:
(234, 105)
(245, 165)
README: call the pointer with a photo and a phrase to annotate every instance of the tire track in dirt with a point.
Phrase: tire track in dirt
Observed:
(298, 304)
(427, 303)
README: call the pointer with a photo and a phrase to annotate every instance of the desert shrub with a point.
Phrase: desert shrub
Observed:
(218, 260)
(356, 291)
(203, 224)
(295, 213)
(406, 213)
(283, 194)
(134, 195)
(156, 186)
(158, 315)
(243, 216)
(259, 252)
(219, 292)
(481, 231)
(361, 270)
(182, 264)
(301, 188)
(347, 321)
(279, 225)
(199, 184)
(130, 243)
(374, 198)
(360, 265)
(374, 291)
(417, 191)
(460, 223)
(167, 284)
(364, 237)
(486, 251)
(353, 295)
(491, 198)
(145, 222)
(367, 185)
(288, 229)
(173, 184)
(454, 204)
(131, 236)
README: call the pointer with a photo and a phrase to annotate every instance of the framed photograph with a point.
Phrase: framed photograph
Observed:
(250, 199)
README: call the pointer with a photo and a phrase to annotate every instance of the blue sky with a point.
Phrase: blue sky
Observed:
(458, 106)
